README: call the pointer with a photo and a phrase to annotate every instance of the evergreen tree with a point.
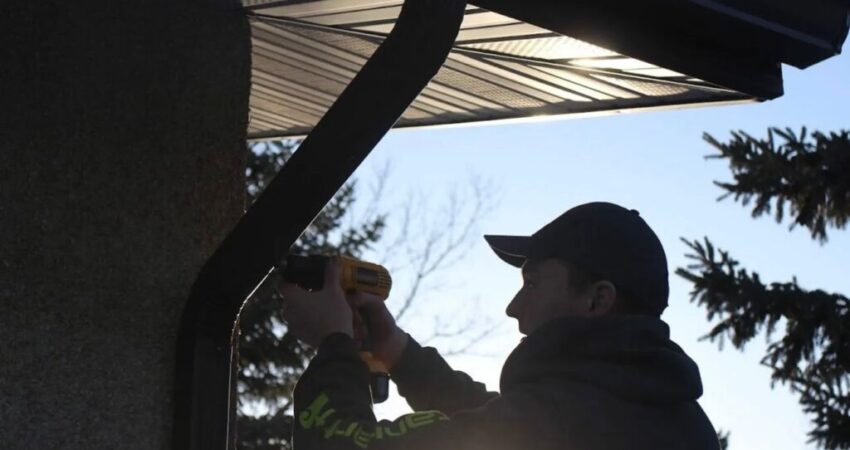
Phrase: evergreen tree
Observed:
(270, 359)
(808, 176)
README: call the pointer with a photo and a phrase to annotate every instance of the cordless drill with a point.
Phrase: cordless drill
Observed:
(308, 272)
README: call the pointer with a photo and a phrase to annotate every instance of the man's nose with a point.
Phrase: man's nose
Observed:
(513, 307)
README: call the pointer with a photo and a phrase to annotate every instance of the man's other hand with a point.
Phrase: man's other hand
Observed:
(387, 339)
(311, 316)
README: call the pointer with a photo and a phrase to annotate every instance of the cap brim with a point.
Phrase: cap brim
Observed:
(511, 249)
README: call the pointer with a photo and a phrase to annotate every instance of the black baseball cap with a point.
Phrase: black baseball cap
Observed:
(604, 239)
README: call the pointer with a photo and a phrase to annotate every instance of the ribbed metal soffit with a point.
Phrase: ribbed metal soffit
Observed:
(305, 53)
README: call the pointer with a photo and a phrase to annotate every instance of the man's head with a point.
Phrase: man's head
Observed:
(595, 259)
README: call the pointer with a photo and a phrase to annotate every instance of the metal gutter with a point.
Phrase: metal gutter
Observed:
(666, 33)
(206, 350)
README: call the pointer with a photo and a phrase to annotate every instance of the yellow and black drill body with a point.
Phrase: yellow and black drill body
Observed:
(308, 272)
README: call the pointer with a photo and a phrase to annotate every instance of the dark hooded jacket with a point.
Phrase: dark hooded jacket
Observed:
(575, 383)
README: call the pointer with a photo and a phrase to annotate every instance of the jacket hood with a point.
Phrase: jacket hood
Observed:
(629, 356)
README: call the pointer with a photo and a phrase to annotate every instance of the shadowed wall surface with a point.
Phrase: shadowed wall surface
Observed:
(122, 143)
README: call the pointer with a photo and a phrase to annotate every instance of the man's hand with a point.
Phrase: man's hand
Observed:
(388, 340)
(311, 316)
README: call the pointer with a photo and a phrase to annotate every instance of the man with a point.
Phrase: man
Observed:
(596, 370)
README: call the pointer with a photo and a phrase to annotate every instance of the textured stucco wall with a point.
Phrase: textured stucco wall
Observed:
(122, 128)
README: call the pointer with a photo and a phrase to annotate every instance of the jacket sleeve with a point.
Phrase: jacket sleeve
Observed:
(425, 379)
(333, 411)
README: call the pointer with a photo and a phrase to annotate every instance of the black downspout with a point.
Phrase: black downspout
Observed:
(374, 100)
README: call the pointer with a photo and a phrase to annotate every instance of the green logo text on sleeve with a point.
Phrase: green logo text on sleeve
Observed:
(318, 416)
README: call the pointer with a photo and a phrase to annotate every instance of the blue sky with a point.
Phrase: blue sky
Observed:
(653, 162)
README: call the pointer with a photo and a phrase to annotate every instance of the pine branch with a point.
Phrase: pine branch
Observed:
(805, 174)
(270, 432)
(812, 357)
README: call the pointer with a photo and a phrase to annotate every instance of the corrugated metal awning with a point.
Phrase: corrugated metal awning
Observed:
(305, 53)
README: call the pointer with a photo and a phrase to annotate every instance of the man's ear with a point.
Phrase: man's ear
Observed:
(603, 295)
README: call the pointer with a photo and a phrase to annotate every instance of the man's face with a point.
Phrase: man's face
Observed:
(546, 294)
